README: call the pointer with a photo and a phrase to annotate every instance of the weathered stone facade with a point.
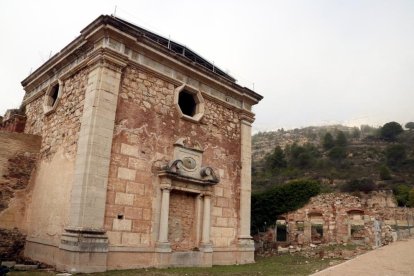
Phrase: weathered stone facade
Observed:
(146, 148)
(373, 219)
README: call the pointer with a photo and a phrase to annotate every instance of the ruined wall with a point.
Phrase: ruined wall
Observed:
(52, 182)
(13, 121)
(348, 218)
(146, 126)
(18, 155)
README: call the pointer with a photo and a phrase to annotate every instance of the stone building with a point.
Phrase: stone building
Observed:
(144, 158)
(370, 219)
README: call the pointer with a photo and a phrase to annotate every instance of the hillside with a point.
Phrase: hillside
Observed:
(351, 159)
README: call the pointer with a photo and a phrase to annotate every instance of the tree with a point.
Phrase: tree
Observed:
(409, 125)
(341, 140)
(328, 141)
(337, 153)
(302, 156)
(277, 159)
(268, 205)
(385, 173)
(402, 194)
(356, 133)
(390, 131)
(395, 155)
(362, 185)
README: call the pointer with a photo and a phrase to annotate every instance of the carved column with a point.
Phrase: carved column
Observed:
(245, 240)
(163, 245)
(205, 240)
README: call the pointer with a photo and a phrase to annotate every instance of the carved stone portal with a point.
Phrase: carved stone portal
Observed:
(189, 181)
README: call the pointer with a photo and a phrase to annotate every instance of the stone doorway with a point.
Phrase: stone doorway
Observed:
(182, 221)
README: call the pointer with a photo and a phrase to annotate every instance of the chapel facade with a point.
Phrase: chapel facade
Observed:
(145, 156)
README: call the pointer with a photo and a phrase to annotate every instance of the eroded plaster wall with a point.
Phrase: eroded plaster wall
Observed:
(52, 181)
(18, 156)
(147, 125)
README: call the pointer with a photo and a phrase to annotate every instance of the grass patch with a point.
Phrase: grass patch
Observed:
(275, 265)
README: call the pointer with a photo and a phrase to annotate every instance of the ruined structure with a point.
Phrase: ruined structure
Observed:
(372, 219)
(145, 155)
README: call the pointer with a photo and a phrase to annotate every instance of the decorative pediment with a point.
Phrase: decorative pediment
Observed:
(187, 164)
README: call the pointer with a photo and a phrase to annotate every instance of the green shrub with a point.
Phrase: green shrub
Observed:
(396, 155)
(337, 153)
(402, 194)
(268, 205)
(385, 173)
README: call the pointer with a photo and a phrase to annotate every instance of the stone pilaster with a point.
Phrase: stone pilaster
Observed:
(199, 208)
(245, 240)
(205, 240)
(85, 232)
(163, 245)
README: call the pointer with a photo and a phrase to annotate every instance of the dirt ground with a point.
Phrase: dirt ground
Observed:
(394, 259)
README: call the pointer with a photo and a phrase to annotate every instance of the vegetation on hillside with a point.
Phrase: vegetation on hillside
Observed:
(343, 159)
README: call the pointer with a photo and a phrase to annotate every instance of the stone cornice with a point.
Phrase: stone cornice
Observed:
(247, 117)
(102, 35)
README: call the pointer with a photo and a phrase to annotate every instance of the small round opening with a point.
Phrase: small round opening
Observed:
(187, 103)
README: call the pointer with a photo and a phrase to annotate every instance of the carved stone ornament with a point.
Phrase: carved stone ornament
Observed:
(187, 164)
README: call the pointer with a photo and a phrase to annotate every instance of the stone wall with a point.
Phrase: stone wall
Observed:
(48, 215)
(11, 245)
(18, 156)
(146, 126)
(59, 129)
(13, 121)
(372, 219)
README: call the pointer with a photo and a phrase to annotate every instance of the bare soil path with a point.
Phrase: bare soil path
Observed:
(394, 259)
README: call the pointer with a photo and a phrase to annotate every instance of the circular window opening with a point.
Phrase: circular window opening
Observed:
(187, 103)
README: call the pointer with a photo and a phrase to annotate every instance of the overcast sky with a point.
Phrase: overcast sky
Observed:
(315, 62)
